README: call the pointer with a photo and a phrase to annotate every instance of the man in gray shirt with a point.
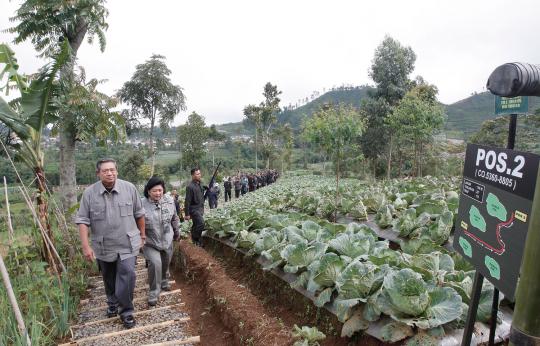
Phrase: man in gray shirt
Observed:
(113, 210)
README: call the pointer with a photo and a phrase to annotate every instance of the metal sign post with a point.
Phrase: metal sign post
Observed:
(512, 126)
(503, 259)
(493, 219)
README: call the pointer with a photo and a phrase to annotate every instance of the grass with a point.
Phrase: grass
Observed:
(14, 208)
(47, 303)
(165, 158)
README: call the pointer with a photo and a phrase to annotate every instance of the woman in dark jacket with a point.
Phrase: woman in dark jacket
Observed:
(161, 223)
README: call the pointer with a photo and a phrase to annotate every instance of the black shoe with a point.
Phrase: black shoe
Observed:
(112, 311)
(152, 303)
(167, 288)
(128, 321)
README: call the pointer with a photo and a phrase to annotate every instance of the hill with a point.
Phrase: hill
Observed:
(465, 117)
(353, 96)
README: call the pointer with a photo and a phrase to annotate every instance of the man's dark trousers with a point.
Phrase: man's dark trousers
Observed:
(119, 281)
(212, 202)
(228, 195)
(198, 226)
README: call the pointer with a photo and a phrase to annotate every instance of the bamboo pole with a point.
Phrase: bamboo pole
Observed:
(12, 163)
(10, 225)
(13, 301)
(525, 322)
(43, 232)
(60, 218)
(46, 245)
(24, 190)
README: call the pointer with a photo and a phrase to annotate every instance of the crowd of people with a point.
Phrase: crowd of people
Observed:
(241, 183)
(115, 224)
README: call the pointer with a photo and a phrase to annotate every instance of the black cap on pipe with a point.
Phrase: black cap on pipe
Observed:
(515, 79)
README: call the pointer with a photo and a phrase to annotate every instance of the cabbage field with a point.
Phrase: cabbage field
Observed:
(387, 261)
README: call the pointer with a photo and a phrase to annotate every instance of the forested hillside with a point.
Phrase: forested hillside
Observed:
(465, 117)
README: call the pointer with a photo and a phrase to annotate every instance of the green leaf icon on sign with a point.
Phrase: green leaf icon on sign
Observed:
(477, 220)
(493, 267)
(495, 208)
(465, 246)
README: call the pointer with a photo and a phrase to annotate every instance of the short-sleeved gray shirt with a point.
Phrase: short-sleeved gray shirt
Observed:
(111, 217)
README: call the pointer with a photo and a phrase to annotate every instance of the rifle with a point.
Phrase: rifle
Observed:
(212, 181)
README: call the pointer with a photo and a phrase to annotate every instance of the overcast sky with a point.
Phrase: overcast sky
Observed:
(223, 52)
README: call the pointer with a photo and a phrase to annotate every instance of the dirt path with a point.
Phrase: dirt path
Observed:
(239, 311)
(204, 321)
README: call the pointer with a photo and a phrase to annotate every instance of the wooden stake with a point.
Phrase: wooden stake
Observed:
(38, 224)
(13, 301)
(26, 196)
(61, 219)
(10, 225)
(127, 331)
(190, 340)
(45, 238)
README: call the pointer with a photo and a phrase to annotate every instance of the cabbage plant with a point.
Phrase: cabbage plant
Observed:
(352, 245)
(301, 255)
(407, 298)
(325, 271)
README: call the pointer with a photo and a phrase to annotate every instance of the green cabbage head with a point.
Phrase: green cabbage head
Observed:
(407, 291)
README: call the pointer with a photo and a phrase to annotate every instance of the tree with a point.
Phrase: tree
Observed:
(47, 24)
(264, 117)
(335, 130)
(374, 110)
(215, 135)
(494, 132)
(130, 166)
(151, 95)
(268, 111)
(92, 118)
(417, 117)
(192, 136)
(390, 70)
(284, 136)
(253, 116)
(304, 140)
(28, 116)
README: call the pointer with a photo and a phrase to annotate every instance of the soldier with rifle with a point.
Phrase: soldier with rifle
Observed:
(194, 206)
(194, 203)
